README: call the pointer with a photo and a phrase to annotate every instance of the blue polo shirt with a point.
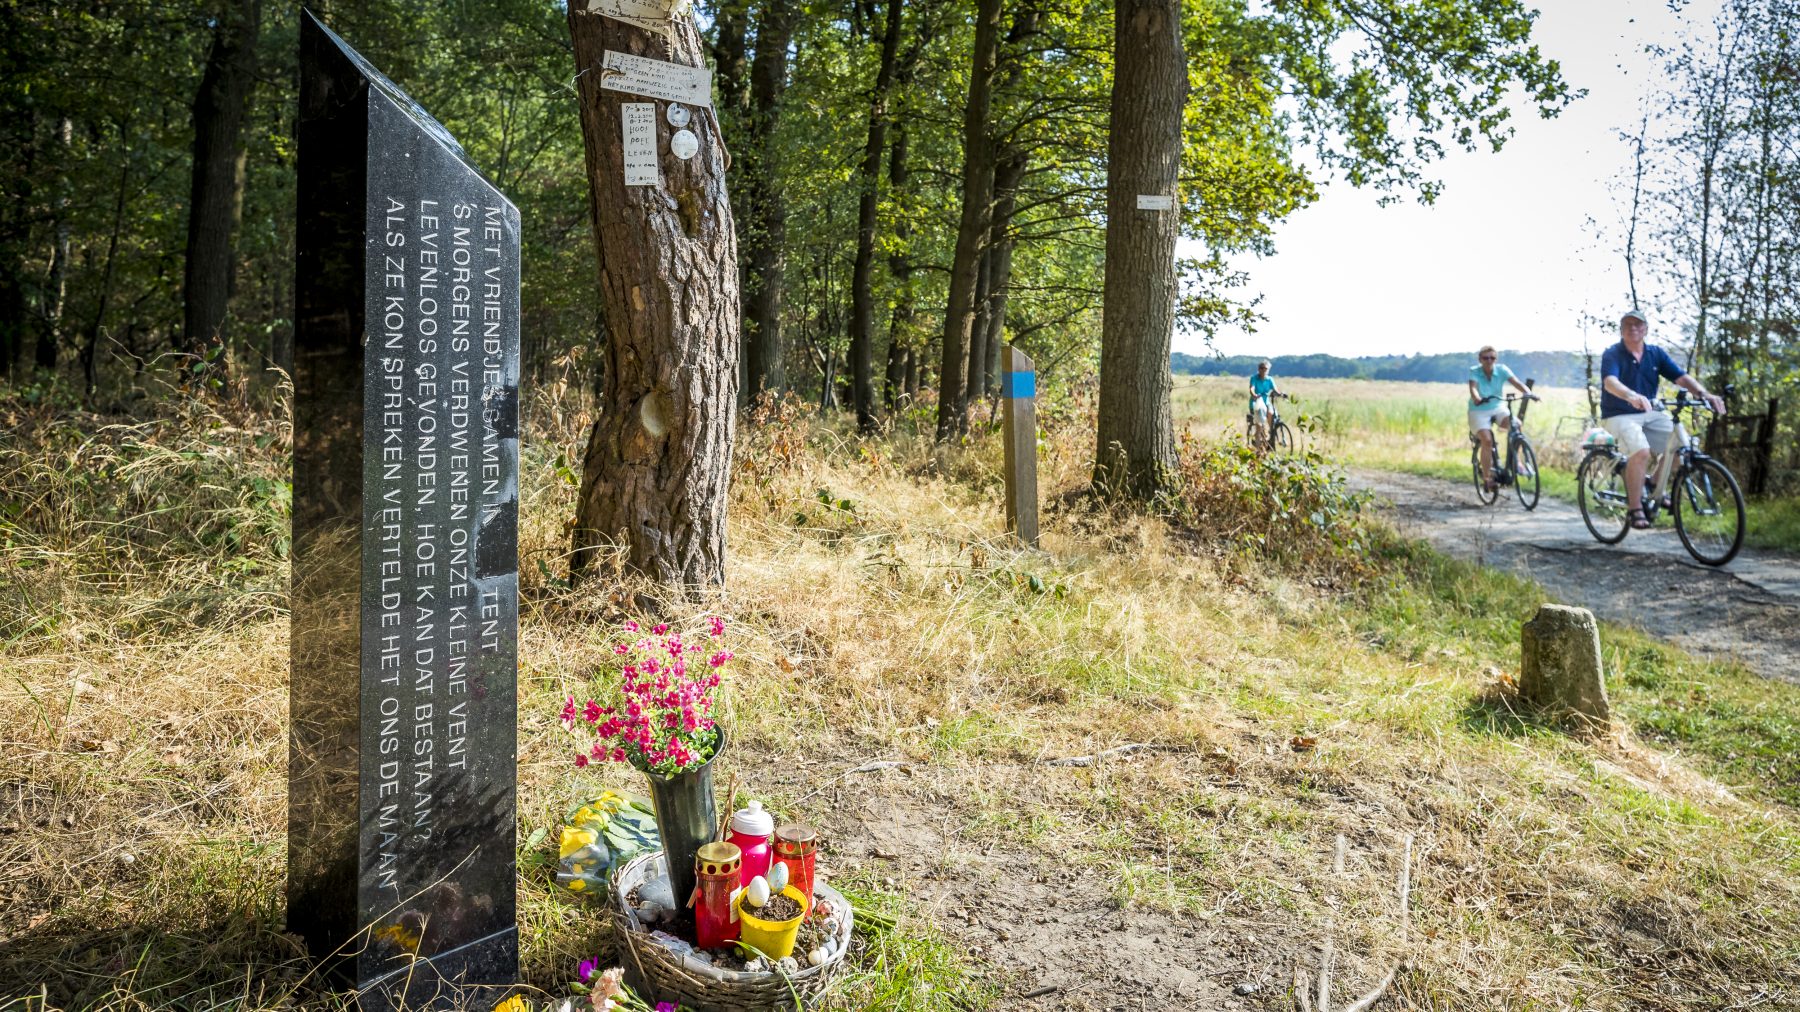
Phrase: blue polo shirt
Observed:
(1641, 375)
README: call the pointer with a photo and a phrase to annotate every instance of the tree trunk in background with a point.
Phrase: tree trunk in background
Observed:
(658, 463)
(731, 79)
(1007, 174)
(893, 377)
(912, 375)
(1135, 453)
(216, 191)
(971, 231)
(90, 341)
(862, 296)
(765, 207)
(57, 290)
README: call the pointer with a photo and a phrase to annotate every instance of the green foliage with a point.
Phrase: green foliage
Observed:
(1292, 510)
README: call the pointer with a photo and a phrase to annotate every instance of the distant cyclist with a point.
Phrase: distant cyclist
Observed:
(1261, 389)
(1487, 384)
(1630, 373)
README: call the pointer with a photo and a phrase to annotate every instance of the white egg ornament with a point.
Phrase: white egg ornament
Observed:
(816, 957)
(757, 892)
(778, 877)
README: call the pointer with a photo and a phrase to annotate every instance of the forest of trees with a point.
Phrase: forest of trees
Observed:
(913, 183)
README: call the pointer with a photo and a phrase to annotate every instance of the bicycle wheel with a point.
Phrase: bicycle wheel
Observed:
(1481, 490)
(1283, 438)
(1600, 487)
(1525, 475)
(1709, 512)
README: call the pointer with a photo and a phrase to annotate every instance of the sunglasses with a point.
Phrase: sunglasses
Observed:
(1487, 358)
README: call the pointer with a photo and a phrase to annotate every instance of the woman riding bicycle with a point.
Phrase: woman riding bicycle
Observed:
(1630, 373)
(1261, 389)
(1487, 382)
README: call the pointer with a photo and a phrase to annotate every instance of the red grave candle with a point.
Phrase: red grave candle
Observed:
(715, 915)
(795, 846)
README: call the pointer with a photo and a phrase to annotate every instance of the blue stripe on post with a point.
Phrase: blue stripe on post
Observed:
(1021, 384)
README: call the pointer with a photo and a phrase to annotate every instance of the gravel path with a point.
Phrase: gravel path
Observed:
(1749, 609)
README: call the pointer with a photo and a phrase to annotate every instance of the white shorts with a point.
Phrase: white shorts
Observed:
(1644, 430)
(1483, 419)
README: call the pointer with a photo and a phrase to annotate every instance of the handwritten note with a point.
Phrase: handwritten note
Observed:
(649, 15)
(1155, 202)
(638, 120)
(674, 82)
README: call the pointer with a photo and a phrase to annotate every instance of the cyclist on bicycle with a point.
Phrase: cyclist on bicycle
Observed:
(1261, 389)
(1487, 382)
(1630, 372)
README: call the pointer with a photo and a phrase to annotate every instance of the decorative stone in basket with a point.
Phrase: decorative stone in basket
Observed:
(662, 967)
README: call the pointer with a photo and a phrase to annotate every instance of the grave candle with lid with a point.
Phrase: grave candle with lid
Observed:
(715, 914)
(751, 828)
(795, 847)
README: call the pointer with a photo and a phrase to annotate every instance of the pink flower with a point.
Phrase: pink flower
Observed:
(716, 626)
(581, 759)
(661, 629)
(592, 712)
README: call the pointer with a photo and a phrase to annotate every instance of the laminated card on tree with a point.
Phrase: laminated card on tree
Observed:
(673, 82)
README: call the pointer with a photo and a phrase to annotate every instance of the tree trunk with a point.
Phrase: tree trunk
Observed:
(57, 291)
(1000, 249)
(971, 231)
(862, 296)
(912, 375)
(731, 79)
(658, 463)
(216, 191)
(90, 342)
(893, 377)
(766, 230)
(1135, 453)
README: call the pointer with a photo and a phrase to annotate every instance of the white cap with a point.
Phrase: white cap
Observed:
(752, 820)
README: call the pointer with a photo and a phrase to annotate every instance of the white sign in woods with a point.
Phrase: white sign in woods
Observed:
(1155, 202)
(638, 120)
(646, 14)
(674, 82)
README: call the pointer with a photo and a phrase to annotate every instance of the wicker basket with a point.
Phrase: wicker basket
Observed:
(658, 973)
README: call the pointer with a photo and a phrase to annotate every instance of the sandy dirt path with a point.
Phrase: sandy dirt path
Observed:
(1749, 609)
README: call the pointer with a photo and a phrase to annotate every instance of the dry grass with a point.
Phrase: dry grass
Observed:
(1551, 872)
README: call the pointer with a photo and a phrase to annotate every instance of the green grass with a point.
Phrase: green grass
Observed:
(1421, 428)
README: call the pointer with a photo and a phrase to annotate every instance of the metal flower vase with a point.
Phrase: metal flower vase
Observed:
(687, 817)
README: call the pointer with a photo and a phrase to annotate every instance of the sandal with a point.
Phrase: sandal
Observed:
(1639, 522)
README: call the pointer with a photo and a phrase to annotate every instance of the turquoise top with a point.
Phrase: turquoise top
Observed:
(1488, 388)
(1260, 386)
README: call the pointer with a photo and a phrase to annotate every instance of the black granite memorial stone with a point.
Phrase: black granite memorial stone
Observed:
(405, 588)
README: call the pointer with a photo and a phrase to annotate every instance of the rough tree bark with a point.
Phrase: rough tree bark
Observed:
(971, 231)
(765, 207)
(862, 296)
(1135, 452)
(900, 323)
(216, 190)
(657, 466)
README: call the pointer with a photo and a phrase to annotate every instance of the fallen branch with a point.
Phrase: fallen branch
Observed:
(868, 767)
(1089, 760)
(1367, 1000)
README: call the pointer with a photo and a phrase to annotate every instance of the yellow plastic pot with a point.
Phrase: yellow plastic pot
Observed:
(774, 939)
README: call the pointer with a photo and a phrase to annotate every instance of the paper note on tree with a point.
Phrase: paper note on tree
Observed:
(1155, 202)
(646, 14)
(638, 120)
(674, 82)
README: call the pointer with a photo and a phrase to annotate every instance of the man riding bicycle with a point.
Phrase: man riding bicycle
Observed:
(1630, 372)
(1487, 382)
(1261, 389)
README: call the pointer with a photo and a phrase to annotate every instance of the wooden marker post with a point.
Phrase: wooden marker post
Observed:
(1019, 388)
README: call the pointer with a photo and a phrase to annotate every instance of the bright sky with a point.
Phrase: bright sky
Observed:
(1507, 255)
